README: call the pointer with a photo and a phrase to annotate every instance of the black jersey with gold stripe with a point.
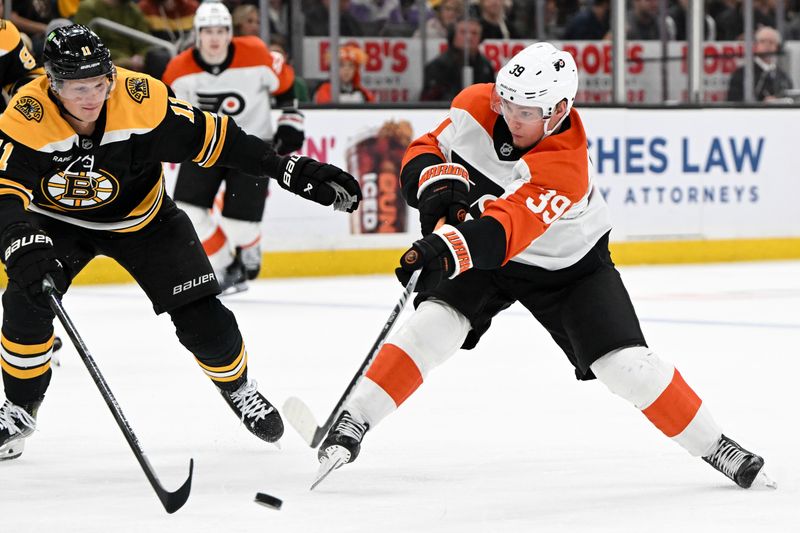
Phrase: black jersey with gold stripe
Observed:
(111, 180)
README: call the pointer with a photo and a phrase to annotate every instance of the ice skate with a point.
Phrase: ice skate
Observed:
(743, 467)
(16, 424)
(341, 446)
(250, 258)
(234, 278)
(256, 413)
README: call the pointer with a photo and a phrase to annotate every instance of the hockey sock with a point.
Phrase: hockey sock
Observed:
(657, 388)
(209, 330)
(428, 338)
(26, 367)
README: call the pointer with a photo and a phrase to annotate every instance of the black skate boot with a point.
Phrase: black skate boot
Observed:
(251, 260)
(741, 466)
(16, 424)
(234, 278)
(341, 446)
(256, 413)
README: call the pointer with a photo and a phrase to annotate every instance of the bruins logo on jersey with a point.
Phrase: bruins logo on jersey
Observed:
(138, 88)
(83, 190)
(30, 107)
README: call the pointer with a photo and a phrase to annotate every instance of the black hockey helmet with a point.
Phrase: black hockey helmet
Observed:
(74, 53)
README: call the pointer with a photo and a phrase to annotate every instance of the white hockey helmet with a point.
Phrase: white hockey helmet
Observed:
(540, 76)
(212, 13)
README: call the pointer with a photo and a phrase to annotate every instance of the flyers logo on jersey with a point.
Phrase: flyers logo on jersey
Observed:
(138, 89)
(230, 104)
(30, 107)
(83, 190)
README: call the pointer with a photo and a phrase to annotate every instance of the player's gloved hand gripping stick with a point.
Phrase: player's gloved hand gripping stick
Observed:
(172, 501)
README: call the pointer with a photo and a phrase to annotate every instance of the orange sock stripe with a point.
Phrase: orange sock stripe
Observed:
(214, 243)
(395, 372)
(675, 408)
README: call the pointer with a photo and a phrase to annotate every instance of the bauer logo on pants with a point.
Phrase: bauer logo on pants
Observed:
(192, 283)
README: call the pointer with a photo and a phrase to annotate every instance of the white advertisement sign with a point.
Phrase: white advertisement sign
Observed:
(666, 174)
(394, 67)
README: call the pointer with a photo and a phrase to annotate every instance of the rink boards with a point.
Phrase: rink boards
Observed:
(683, 185)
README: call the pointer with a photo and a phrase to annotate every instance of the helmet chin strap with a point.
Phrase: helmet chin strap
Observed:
(547, 130)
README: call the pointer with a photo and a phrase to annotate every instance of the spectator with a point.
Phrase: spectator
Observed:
(730, 23)
(318, 17)
(770, 81)
(591, 23)
(246, 21)
(372, 14)
(126, 52)
(351, 58)
(31, 17)
(676, 23)
(170, 20)
(492, 14)
(403, 20)
(442, 77)
(278, 16)
(277, 45)
(642, 22)
(446, 12)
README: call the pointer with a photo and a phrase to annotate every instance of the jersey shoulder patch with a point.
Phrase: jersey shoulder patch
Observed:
(137, 104)
(33, 119)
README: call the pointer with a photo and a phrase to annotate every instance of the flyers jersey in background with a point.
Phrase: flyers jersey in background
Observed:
(240, 87)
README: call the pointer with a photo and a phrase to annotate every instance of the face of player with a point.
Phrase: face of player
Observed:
(213, 45)
(85, 98)
(527, 123)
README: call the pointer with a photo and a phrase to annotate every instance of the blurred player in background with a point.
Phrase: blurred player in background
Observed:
(513, 154)
(81, 175)
(232, 76)
(17, 64)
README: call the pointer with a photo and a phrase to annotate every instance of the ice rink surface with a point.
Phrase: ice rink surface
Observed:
(501, 438)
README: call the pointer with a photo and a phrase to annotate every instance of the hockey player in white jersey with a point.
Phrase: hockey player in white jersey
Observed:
(234, 76)
(514, 155)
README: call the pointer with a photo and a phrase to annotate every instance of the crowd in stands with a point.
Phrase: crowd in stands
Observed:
(460, 26)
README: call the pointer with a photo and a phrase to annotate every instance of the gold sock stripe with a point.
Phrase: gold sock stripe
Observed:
(27, 349)
(29, 373)
(229, 372)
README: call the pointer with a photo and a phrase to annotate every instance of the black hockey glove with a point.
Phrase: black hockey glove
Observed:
(319, 182)
(29, 256)
(443, 192)
(442, 254)
(291, 132)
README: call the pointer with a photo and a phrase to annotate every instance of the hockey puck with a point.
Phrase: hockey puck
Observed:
(268, 501)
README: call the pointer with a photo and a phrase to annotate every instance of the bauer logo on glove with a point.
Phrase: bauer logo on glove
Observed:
(322, 183)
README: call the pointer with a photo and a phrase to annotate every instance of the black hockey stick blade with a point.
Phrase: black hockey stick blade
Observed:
(172, 501)
(299, 414)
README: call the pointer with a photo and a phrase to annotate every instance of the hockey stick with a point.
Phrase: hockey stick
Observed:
(298, 413)
(172, 501)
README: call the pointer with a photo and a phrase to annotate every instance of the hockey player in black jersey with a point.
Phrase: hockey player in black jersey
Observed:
(80, 175)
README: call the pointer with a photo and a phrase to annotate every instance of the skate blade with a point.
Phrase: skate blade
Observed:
(763, 481)
(12, 450)
(334, 458)
(235, 289)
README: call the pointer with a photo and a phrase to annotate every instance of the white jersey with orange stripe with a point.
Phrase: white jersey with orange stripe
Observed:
(240, 87)
(545, 198)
